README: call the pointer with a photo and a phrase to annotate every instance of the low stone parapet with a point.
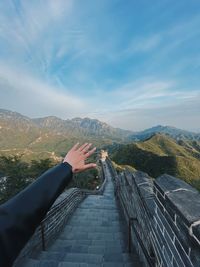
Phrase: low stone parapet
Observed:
(164, 215)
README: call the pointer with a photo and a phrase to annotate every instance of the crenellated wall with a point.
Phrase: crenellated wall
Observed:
(164, 218)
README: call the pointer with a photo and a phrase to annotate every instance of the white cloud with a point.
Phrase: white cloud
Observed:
(34, 97)
(184, 115)
(146, 93)
(60, 7)
(61, 41)
(143, 44)
(144, 103)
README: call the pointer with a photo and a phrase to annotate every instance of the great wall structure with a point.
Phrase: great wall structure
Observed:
(132, 220)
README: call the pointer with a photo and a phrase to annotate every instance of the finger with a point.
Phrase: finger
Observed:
(85, 149)
(89, 153)
(75, 147)
(82, 147)
(89, 166)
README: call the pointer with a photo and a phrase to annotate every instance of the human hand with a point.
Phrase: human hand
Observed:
(76, 157)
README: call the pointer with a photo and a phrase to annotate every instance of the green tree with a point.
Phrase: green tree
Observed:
(19, 174)
(16, 173)
(37, 167)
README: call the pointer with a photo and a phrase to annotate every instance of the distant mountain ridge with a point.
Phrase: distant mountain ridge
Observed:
(160, 149)
(51, 136)
(92, 126)
(86, 126)
(173, 132)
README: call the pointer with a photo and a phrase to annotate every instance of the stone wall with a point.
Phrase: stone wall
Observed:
(164, 215)
(177, 221)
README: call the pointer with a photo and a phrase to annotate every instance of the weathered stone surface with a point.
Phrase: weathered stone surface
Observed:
(168, 183)
(93, 235)
(196, 233)
(186, 203)
(183, 199)
(166, 219)
(164, 223)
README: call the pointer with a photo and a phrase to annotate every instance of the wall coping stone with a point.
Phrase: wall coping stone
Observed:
(184, 198)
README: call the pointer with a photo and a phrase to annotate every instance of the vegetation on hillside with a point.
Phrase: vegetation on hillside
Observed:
(15, 175)
(161, 154)
(86, 180)
(51, 137)
(120, 168)
(24, 141)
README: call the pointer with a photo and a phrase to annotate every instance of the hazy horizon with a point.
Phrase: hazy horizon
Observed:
(197, 130)
(132, 65)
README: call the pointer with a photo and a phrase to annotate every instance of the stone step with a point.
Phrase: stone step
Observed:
(55, 256)
(117, 264)
(100, 207)
(83, 258)
(60, 252)
(92, 229)
(92, 215)
(50, 263)
(73, 264)
(91, 223)
(39, 263)
(93, 237)
(114, 264)
(66, 245)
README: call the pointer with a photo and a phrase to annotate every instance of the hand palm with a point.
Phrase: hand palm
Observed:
(76, 157)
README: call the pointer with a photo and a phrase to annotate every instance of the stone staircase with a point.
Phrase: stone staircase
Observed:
(94, 236)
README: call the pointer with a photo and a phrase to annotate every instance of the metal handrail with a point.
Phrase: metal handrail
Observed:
(51, 212)
(43, 236)
(131, 220)
(130, 226)
(143, 203)
(63, 203)
(140, 195)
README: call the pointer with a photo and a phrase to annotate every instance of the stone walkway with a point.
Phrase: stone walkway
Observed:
(93, 237)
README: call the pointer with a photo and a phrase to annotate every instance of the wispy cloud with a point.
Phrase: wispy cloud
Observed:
(142, 44)
(100, 59)
(181, 115)
(35, 97)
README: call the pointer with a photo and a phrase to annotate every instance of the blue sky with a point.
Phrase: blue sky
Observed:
(132, 64)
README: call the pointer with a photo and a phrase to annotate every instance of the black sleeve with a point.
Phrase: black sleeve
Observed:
(20, 216)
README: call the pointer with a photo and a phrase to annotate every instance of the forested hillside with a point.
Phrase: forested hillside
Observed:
(161, 154)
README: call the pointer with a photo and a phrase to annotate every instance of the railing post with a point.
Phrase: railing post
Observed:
(43, 236)
(129, 234)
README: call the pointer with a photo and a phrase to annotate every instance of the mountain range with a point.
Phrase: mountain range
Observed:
(52, 136)
(173, 132)
(158, 150)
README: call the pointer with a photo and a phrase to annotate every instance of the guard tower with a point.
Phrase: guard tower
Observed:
(103, 155)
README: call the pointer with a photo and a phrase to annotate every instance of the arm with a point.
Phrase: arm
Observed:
(20, 216)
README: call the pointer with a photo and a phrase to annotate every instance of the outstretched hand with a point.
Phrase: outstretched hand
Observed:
(77, 156)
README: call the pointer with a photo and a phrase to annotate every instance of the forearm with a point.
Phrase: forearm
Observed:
(20, 216)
